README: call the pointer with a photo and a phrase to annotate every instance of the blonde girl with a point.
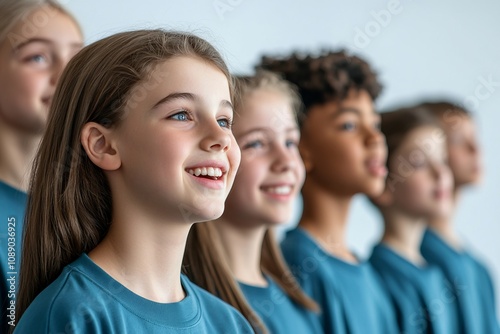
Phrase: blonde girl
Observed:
(37, 39)
(236, 257)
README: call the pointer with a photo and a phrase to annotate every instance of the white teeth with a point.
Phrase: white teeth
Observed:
(282, 190)
(206, 171)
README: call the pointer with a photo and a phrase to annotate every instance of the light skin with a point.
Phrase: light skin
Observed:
(344, 154)
(182, 123)
(464, 158)
(269, 178)
(423, 191)
(30, 67)
(463, 150)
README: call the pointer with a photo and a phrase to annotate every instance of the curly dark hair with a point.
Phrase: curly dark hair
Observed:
(325, 77)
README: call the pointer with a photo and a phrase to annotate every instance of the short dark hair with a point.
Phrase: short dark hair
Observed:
(325, 77)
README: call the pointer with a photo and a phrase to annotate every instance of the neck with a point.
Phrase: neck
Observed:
(243, 247)
(404, 234)
(17, 151)
(145, 255)
(325, 217)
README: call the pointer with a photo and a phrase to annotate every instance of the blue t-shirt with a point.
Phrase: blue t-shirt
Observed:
(351, 296)
(420, 294)
(12, 208)
(85, 299)
(470, 281)
(279, 313)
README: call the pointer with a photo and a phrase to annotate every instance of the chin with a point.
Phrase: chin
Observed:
(375, 189)
(206, 213)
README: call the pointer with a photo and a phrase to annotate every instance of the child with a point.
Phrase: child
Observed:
(241, 244)
(114, 195)
(418, 189)
(37, 39)
(469, 278)
(344, 154)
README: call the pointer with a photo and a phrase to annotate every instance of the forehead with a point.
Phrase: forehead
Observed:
(48, 23)
(264, 108)
(180, 75)
(360, 101)
(427, 138)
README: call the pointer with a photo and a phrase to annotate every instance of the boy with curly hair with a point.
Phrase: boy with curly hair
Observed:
(344, 154)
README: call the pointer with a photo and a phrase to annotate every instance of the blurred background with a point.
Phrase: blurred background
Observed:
(421, 50)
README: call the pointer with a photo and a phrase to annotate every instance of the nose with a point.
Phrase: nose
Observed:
(57, 69)
(216, 138)
(438, 169)
(473, 147)
(374, 137)
(284, 159)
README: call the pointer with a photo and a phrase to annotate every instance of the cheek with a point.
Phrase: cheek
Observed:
(28, 83)
(250, 173)
(414, 189)
(234, 154)
(300, 170)
(457, 159)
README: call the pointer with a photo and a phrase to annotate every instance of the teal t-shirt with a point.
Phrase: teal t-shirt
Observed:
(12, 208)
(351, 296)
(85, 299)
(420, 294)
(279, 313)
(474, 297)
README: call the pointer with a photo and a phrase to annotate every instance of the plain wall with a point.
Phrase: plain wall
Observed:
(422, 49)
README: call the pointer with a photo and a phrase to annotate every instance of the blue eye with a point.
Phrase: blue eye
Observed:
(181, 116)
(291, 143)
(225, 123)
(37, 59)
(348, 126)
(253, 144)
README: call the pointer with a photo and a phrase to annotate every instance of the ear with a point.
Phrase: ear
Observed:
(97, 143)
(385, 199)
(306, 156)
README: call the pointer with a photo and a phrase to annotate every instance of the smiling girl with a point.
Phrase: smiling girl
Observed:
(114, 195)
(237, 257)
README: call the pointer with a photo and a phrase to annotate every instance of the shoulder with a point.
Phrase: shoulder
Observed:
(220, 314)
(67, 305)
(299, 248)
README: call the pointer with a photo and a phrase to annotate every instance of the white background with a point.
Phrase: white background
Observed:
(420, 48)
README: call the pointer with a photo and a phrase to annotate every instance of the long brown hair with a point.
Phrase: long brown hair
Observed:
(69, 209)
(205, 262)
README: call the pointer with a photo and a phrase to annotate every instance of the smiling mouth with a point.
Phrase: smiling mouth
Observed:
(278, 190)
(212, 173)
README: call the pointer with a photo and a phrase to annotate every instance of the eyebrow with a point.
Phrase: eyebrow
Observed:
(267, 129)
(44, 41)
(189, 97)
(345, 110)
